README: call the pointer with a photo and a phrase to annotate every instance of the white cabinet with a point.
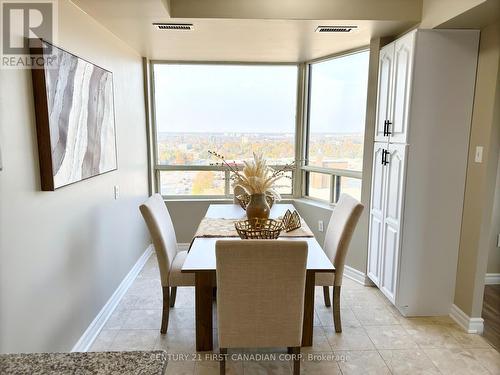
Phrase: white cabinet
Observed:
(403, 64)
(425, 97)
(394, 90)
(376, 212)
(385, 73)
(394, 164)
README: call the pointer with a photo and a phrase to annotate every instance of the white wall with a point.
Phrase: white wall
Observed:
(63, 253)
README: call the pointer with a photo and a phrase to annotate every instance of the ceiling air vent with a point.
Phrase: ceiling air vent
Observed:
(335, 29)
(174, 26)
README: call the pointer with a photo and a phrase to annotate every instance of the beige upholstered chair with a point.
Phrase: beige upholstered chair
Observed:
(170, 260)
(260, 294)
(343, 221)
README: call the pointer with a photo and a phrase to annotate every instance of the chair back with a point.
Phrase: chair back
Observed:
(162, 232)
(345, 217)
(260, 292)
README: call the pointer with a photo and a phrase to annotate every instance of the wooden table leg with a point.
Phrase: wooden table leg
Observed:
(307, 326)
(203, 310)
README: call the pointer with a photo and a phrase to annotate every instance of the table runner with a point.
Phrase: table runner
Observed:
(215, 227)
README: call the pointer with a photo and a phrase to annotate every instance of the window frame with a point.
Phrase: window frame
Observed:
(158, 168)
(334, 173)
(301, 135)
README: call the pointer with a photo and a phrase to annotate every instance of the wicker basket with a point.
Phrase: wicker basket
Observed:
(244, 199)
(258, 229)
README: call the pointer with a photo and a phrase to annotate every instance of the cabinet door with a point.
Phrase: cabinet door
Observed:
(403, 68)
(385, 74)
(376, 214)
(393, 204)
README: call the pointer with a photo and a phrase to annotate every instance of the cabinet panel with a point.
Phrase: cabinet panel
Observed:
(384, 90)
(389, 261)
(376, 214)
(393, 201)
(403, 63)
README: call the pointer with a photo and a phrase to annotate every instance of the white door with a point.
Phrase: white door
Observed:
(376, 214)
(393, 204)
(403, 67)
(385, 74)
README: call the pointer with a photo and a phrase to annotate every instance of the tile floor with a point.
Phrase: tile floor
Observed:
(376, 339)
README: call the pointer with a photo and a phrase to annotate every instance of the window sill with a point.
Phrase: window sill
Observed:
(315, 203)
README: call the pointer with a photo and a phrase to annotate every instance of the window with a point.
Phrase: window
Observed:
(337, 106)
(232, 109)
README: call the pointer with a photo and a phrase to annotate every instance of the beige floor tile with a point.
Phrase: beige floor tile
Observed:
(143, 319)
(145, 286)
(325, 315)
(488, 358)
(117, 319)
(432, 336)
(213, 367)
(351, 338)
(148, 302)
(267, 368)
(104, 340)
(324, 364)
(374, 316)
(181, 319)
(390, 337)
(320, 342)
(456, 361)
(134, 339)
(180, 367)
(426, 320)
(185, 298)
(363, 363)
(177, 342)
(408, 361)
(469, 340)
(128, 302)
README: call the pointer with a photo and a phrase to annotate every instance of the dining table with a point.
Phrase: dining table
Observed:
(201, 261)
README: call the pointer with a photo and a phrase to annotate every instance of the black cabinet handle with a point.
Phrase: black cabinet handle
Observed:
(387, 132)
(385, 153)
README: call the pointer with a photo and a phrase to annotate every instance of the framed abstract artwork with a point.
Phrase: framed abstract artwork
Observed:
(74, 107)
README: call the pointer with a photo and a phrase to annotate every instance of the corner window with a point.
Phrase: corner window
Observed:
(233, 109)
(335, 129)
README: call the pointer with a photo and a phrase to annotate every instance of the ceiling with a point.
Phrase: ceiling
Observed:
(255, 30)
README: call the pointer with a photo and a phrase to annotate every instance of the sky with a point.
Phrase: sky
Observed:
(259, 98)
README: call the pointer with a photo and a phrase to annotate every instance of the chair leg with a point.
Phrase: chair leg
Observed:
(222, 363)
(336, 309)
(326, 295)
(173, 294)
(164, 316)
(296, 360)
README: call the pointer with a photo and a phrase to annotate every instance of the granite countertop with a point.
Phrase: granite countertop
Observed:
(95, 363)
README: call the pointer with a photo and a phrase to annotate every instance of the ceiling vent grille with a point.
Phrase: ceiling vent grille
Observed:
(335, 29)
(174, 26)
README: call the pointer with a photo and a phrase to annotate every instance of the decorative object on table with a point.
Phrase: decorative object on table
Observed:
(258, 229)
(74, 118)
(258, 180)
(244, 199)
(291, 221)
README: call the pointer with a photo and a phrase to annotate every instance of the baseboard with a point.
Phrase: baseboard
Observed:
(470, 325)
(492, 279)
(90, 334)
(358, 276)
